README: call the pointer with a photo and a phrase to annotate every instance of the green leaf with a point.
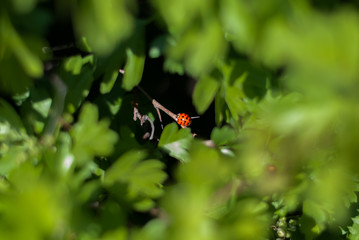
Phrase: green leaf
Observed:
(74, 64)
(108, 81)
(221, 136)
(133, 70)
(9, 115)
(234, 92)
(220, 109)
(32, 213)
(24, 6)
(91, 136)
(173, 66)
(78, 86)
(143, 177)
(36, 109)
(354, 229)
(176, 142)
(83, 45)
(204, 93)
(318, 212)
(31, 63)
(104, 24)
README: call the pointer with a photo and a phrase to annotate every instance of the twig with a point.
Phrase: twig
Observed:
(143, 119)
(159, 106)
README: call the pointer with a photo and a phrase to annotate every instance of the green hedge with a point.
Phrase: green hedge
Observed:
(276, 86)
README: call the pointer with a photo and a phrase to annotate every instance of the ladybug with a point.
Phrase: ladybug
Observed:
(184, 119)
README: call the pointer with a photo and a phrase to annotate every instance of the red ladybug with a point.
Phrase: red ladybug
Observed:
(184, 119)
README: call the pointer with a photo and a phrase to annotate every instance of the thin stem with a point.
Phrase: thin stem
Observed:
(157, 105)
(145, 93)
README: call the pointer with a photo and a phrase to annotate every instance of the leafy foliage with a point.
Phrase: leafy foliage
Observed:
(273, 155)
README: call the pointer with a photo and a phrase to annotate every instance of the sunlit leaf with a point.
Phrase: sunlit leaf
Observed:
(133, 70)
(91, 137)
(108, 81)
(176, 142)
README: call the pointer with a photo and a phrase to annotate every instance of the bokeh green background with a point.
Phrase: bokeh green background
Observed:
(276, 83)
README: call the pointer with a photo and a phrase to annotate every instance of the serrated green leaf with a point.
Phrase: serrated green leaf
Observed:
(133, 69)
(354, 229)
(221, 136)
(204, 93)
(143, 177)
(176, 142)
(91, 137)
(123, 166)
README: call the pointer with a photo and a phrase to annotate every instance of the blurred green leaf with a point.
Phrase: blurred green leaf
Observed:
(204, 93)
(10, 68)
(133, 70)
(33, 210)
(143, 177)
(108, 81)
(74, 64)
(119, 234)
(221, 136)
(15, 144)
(104, 24)
(199, 40)
(91, 137)
(36, 109)
(214, 171)
(158, 46)
(176, 142)
(23, 6)
(79, 86)
(173, 66)
(354, 229)
(83, 45)
(9, 115)
(30, 62)
(248, 220)
(155, 229)
(43, 107)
